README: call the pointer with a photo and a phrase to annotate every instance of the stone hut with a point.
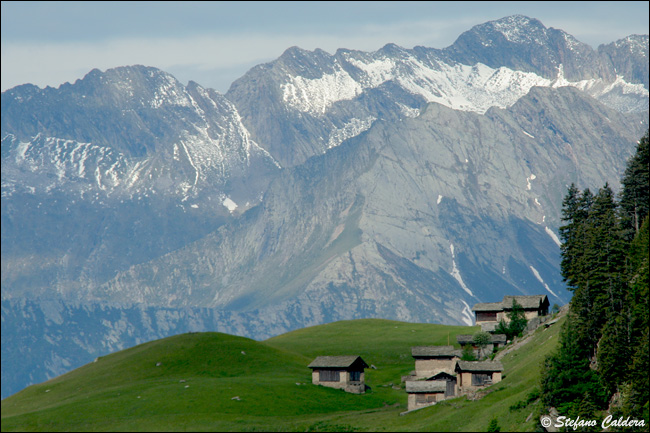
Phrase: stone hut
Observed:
(341, 372)
(490, 313)
(431, 360)
(422, 393)
(477, 374)
(496, 341)
(450, 381)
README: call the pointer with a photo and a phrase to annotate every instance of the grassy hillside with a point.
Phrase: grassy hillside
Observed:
(190, 381)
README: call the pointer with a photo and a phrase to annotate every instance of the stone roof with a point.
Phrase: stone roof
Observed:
(488, 306)
(469, 338)
(417, 386)
(442, 376)
(478, 366)
(336, 361)
(528, 302)
(435, 352)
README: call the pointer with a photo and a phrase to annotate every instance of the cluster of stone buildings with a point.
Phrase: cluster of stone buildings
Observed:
(440, 373)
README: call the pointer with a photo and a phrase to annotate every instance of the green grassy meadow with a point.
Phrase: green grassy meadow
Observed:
(219, 382)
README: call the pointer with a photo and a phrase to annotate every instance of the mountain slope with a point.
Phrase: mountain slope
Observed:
(418, 205)
(126, 154)
(189, 382)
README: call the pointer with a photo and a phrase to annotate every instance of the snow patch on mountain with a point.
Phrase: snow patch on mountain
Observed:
(466, 314)
(351, 129)
(231, 205)
(539, 278)
(553, 236)
(317, 95)
(59, 160)
(455, 272)
(528, 179)
(407, 111)
(170, 93)
(460, 87)
(619, 94)
(517, 29)
(376, 72)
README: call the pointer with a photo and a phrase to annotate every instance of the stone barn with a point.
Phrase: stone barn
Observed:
(422, 393)
(431, 360)
(341, 372)
(490, 313)
(472, 375)
(450, 381)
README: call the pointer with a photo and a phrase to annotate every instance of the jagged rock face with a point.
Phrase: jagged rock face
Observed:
(415, 198)
(312, 101)
(137, 125)
(117, 169)
(629, 58)
(404, 184)
(525, 44)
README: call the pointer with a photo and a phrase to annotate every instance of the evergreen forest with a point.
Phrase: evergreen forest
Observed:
(601, 365)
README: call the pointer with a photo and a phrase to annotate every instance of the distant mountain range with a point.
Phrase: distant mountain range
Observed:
(405, 184)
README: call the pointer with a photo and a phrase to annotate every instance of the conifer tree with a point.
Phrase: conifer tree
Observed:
(517, 318)
(567, 376)
(568, 233)
(635, 194)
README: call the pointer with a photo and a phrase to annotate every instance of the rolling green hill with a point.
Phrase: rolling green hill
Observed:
(219, 382)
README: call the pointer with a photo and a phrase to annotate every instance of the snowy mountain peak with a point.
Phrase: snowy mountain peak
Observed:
(518, 29)
(173, 140)
(324, 97)
(635, 45)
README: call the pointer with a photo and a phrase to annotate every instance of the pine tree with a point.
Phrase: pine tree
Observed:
(614, 352)
(637, 296)
(567, 376)
(518, 321)
(600, 292)
(635, 194)
(568, 233)
(575, 211)
(493, 426)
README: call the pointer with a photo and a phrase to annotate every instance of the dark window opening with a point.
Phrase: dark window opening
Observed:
(481, 379)
(490, 316)
(329, 376)
(425, 398)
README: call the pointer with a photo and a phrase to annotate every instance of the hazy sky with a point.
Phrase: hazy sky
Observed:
(214, 43)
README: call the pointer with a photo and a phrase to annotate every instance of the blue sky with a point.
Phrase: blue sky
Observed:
(214, 43)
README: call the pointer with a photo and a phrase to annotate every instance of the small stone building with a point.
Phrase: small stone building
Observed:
(490, 313)
(472, 375)
(341, 372)
(431, 360)
(496, 341)
(450, 381)
(422, 393)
